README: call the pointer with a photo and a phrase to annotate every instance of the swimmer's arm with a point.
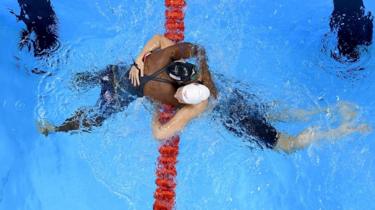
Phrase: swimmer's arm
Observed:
(205, 72)
(156, 42)
(182, 50)
(187, 50)
(178, 122)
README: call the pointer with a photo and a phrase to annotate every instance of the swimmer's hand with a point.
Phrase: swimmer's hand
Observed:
(134, 73)
(45, 127)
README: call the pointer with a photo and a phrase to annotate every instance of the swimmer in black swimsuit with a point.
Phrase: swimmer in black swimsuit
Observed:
(114, 97)
(246, 119)
(239, 112)
(117, 92)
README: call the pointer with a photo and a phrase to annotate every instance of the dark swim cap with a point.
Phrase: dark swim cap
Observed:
(182, 72)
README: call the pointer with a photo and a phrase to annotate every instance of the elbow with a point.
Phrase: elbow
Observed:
(161, 134)
(158, 133)
(157, 37)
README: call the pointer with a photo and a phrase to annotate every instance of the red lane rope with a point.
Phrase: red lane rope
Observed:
(174, 15)
(166, 168)
(166, 172)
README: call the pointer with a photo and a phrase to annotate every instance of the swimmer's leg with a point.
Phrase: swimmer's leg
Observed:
(90, 79)
(347, 110)
(108, 104)
(288, 143)
(87, 119)
(81, 120)
(294, 115)
(86, 80)
(310, 135)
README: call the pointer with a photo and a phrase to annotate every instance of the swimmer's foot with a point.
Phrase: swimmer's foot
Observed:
(364, 128)
(348, 129)
(347, 111)
(45, 128)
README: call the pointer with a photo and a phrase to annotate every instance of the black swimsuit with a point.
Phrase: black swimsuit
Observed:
(122, 83)
(246, 119)
(117, 91)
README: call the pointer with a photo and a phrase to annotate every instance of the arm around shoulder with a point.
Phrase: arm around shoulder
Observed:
(178, 122)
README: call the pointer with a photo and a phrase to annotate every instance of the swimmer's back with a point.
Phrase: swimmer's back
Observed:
(160, 91)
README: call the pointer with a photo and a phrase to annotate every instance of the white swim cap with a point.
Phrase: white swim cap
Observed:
(194, 93)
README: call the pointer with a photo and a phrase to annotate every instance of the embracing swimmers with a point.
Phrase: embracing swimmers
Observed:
(162, 74)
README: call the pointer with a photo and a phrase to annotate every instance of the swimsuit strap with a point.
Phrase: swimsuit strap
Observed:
(199, 82)
(163, 80)
(156, 73)
(154, 76)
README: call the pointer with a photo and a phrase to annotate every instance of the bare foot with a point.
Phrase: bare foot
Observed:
(45, 127)
(348, 111)
(364, 128)
(348, 128)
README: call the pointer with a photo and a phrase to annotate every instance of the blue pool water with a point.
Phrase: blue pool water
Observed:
(273, 46)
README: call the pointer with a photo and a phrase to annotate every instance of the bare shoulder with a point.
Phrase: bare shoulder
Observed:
(165, 42)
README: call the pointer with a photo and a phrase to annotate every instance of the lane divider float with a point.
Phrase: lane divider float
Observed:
(166, 172)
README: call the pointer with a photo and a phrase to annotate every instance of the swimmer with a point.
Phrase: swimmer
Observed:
(41, 33)
(160, 73)
(247, 120)
(353, 26)
(166, 80)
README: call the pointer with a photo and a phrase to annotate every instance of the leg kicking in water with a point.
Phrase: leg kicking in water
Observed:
(110, 102)
(247, 121)
(120, 87)
(313, 134)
